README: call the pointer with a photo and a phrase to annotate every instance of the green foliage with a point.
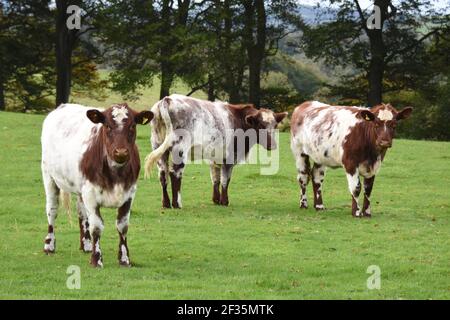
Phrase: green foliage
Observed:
(261, 247)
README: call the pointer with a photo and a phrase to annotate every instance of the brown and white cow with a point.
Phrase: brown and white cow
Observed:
(336, 136)
(92, 153)
(213, 129)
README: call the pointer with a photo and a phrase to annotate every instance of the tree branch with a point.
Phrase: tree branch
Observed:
(361, 15)
(412, 46)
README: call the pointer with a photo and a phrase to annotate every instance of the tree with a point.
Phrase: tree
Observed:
(24, 54)
(69, 40)
(374, 53)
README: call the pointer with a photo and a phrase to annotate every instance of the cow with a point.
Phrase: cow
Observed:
(92, 153)
(181, 123)
(354, 138)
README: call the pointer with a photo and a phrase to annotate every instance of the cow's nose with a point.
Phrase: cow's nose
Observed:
(121, 155)
(385, 144)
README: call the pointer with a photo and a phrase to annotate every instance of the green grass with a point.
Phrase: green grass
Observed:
(261, 247)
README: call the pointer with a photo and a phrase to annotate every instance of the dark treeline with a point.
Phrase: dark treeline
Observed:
(255, 51)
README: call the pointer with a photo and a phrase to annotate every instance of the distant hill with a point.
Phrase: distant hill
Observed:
(315, 15)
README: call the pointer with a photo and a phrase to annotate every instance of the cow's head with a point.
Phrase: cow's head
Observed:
(265, 119)
(383, 120)
(118, 131)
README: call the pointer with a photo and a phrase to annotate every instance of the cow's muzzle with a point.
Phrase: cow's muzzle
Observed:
(121, 155)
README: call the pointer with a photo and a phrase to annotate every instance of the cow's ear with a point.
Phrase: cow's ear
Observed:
(252, 120)
(404, 114)
(280, 116)
(366, 115)
(143, 117)
(95, 116)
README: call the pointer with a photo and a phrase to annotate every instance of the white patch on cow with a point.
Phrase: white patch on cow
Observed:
(317, 104)
(385, 115)
(124, 256)
(323, 140)
(267, 116)
(119, 114)
(123, 223)
(369, 172)
(320, 206)
(87, 244)
(179, 200)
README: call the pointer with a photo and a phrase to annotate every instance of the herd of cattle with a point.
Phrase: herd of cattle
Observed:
(93, 154)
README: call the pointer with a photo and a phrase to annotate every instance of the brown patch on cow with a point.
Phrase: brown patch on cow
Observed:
(360, 146)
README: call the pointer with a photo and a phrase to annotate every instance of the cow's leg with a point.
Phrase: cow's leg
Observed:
(163, 166)
(354, 185)
(215, 179)
(95, 226)
(123, 217)
(51, 208)
(85, 236)
(179, 158)
(318, 175)
(225, 177)
(368, 185)
(303, 169)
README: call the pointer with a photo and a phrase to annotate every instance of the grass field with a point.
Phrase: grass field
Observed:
(261, 247)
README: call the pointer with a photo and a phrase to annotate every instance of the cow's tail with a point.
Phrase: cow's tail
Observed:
(156, 154)
(65, 200)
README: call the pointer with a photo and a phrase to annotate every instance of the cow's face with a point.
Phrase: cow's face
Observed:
(384, 119)
(265, 119)
(118, 131)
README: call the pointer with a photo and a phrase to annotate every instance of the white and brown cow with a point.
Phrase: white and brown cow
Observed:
(211, 128)
(336, 136)
(92, 153)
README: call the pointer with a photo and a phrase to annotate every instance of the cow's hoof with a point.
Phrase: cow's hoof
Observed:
(357, 214)
(319, 207)
(303, 206)
(125, 264)
(216, 201)
(49, 251)
(97, 264)
(224, 203)
(49, 245)
(166, 204)
(96, 260)
(367, 215)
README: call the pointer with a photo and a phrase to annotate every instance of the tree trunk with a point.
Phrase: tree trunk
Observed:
(255, 47)
(378, 54)
(376, 70)
(2, 96)
(211, 90)
(166, 79)
(64, 47)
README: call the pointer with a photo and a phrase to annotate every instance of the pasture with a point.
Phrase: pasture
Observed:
(260, 247)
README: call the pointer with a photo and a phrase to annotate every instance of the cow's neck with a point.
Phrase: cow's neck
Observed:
(361, 144)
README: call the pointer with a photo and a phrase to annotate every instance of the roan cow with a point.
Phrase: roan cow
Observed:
(182, 123)
(336, 136)
(92, 153)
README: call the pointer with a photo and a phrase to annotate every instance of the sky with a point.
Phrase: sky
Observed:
(367, 3)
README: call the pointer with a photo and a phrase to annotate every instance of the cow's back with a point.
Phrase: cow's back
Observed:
(319, 131)
(65, 136)
(205, 121)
